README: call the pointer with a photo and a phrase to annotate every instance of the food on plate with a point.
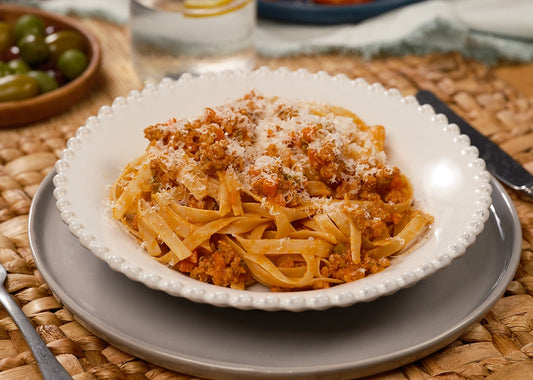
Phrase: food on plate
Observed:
(335, 2)
(342, 2)
(293, 195)
(36, 58)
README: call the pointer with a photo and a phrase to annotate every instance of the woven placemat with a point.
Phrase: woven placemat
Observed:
(500, 346)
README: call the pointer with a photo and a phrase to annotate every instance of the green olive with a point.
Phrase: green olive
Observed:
(6, 36)
(63, 40)
(72, 63)
(28, 24)
(46, 82)
(18, 66)
(17, 87)
(33, 49)
(4, 69)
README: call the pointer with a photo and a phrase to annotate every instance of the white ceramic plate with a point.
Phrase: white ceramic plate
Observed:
(449, 179)
(366, 338)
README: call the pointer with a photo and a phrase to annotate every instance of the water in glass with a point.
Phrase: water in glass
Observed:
(171, 37)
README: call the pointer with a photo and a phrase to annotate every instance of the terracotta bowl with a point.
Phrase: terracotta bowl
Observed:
(40, 107)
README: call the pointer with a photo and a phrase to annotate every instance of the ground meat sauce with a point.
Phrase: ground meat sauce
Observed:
(286, 154)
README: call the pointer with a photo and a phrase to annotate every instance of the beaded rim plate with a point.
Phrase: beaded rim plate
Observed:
(449, 179)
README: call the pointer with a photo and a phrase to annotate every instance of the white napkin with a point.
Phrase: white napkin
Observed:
(116, 11)
(487, 30)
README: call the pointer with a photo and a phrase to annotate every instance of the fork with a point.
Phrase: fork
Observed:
(50, 368)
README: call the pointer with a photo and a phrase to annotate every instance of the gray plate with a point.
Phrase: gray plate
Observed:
(226, 343)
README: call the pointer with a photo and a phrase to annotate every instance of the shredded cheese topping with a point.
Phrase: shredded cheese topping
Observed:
(277, 146)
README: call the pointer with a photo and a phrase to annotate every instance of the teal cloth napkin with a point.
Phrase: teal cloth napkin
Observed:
(487, 30)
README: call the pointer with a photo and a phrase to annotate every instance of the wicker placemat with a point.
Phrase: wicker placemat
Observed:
(500, 346)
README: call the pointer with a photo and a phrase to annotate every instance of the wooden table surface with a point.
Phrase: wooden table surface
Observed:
(497, 100)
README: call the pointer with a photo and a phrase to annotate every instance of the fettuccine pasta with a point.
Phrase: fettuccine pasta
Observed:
(289, 194)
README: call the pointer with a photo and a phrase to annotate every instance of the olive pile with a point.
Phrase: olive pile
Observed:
(36, 58)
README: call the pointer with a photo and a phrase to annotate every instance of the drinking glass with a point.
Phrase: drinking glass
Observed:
(171, 37)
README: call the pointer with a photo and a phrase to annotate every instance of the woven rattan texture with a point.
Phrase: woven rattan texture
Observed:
(500, 346)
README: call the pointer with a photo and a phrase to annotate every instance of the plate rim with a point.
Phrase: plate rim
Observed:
(186, 363)
(304, 12)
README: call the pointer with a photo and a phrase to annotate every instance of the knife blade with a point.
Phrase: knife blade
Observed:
(500, 164)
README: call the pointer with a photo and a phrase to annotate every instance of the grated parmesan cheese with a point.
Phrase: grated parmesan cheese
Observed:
(274, 144)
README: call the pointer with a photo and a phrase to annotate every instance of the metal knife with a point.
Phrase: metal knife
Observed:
(500, 164)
